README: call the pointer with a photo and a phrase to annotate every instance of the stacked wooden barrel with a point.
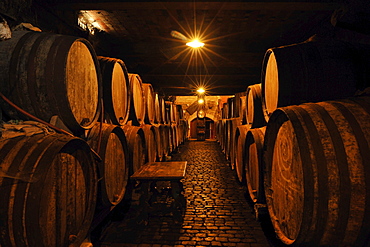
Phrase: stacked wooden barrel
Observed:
(110, 124)
(47, 74)
(49, 182)
(303, 151)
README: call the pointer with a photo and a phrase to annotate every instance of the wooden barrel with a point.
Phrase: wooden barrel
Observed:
(223, 136)
(175, 114)
(225, 111)
(165, 138)
(230, 107)
(165, 118)
(254, 112)
(149, 103)
(227, 138)
(136, 147)
(183, 130)
(312, 71)
(116, 90)
(239, 106)
(219, 131)
(151, 142)
(169, 113)
(253, 164)
(231, 130)
(158, 139)
(240, 134)
(48, 74)
(174, 136)
(317, 173)
(48, 186)
(180, 112)
(137, 105)
(109, 141)
(158, 110)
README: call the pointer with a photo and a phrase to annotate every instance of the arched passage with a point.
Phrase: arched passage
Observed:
(209, 128)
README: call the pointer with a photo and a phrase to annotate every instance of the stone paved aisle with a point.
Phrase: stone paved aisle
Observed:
(217, 213)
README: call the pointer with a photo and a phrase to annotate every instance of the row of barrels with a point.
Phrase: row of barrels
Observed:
(50, 75)
(306, 158)
(53, 184)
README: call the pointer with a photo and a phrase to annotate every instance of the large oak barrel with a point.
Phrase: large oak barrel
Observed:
(165, 139)
(317, 173)
(227, 138)
(48, 187)
(157, 108)
(48, 74)
(240, 134)
(151, 142)
(174, 136)
(254, 112)
(225, 111)
(170, 113)
(136, 146)
(231, 130)
(109, 141)
(315, 70)
(223, 135)
(183, 130)
(179, 112)
(116, 90)
(239, 106)
(137, 105)
(230, 107)
(163, 109)
(175, 116)
(158, 139)
(220, 131)
(253, 164)
(149, 103)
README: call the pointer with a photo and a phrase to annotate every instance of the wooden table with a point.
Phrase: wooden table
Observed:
(152, 172)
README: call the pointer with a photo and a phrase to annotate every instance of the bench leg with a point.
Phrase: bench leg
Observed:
(143, 217)
(179, 203)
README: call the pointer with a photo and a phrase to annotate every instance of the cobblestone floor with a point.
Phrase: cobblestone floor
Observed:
(217, 212)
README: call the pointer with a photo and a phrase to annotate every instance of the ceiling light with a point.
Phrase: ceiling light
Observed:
(195, 44)
(201, 90)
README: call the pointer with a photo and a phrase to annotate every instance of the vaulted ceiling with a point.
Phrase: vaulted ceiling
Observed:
(236, 36)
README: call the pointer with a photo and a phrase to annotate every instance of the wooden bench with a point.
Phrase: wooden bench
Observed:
(148, 176)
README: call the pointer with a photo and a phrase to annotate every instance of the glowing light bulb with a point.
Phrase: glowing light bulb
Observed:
(195, 44)
(201, 90)
(201, 114)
